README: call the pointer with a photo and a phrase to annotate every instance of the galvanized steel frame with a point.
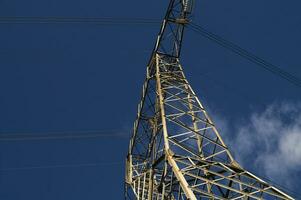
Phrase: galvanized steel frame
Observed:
(176, 151)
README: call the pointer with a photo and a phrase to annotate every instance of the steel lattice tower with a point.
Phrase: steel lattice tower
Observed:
(175, 151)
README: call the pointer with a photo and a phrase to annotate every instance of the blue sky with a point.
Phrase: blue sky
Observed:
(81, 77)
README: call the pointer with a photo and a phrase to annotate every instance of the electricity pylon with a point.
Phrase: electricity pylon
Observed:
(176, 151)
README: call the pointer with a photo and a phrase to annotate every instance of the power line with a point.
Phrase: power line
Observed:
(284, 188)
(107, 21)
(246, 54)
(234, 91)
(61, 166)
(90, 164)
(148, 21)
(78, 20)
(63, 135)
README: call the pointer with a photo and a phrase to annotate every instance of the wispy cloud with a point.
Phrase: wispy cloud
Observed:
(269, 142)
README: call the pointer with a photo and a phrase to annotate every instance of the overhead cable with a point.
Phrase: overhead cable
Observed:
(63, 135)
(77, 20)
(147, 21)
(246, 54)
(61, 166)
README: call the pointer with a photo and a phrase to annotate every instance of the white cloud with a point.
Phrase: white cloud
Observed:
(269, 142)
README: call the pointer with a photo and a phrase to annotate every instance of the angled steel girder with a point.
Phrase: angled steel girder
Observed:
(175, 151)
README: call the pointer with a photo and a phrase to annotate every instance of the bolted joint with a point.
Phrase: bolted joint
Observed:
(182, 21)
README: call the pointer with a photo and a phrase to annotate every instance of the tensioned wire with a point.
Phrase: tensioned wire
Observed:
(82, 135)
(77, 20)
(55, 135)
(61, 166)
(129, 21)
(278, 71)
(246, 54)
(106, 164)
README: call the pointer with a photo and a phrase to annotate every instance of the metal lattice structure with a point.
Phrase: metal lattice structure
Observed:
(175, 151)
